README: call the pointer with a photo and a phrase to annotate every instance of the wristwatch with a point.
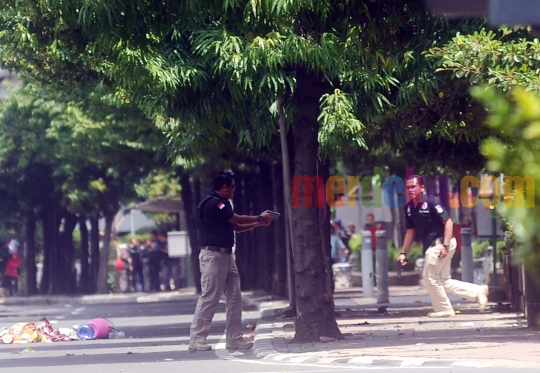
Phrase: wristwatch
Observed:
(259, 218)
(445, 246)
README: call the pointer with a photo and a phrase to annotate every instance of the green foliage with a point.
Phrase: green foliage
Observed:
(340, 130)
(479, 248)
(503, 59)
(91, 150)
(190, 65)
(515, 154)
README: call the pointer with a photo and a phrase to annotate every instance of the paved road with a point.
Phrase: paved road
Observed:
(157, 341)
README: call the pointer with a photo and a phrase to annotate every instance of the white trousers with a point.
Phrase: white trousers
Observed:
(438, 281)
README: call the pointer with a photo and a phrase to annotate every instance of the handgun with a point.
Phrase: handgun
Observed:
(399, 267)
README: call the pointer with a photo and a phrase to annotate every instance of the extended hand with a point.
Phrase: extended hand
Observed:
(402, 259)
(267, 218)
(444, 253)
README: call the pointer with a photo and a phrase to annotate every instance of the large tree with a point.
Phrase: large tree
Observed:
(206, 69)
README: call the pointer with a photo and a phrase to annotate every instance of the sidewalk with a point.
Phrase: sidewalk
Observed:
(403, 335)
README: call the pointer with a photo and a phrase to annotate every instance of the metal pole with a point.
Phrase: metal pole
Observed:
(467, 266)
(367, 264)
(288, 208)
(494, 244)
(382, 268)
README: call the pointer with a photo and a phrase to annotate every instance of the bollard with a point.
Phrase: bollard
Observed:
(467, 264)
(382, 268)
(367, 264)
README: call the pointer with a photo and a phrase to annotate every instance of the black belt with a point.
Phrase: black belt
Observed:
(217, 249)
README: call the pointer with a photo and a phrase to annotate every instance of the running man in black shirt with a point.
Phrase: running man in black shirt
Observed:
(428, 220)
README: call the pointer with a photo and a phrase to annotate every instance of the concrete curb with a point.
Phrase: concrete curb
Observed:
(263, 344)
(398, 361)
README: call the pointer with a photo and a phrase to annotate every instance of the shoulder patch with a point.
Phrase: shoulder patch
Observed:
(439, 209)
(220, 205)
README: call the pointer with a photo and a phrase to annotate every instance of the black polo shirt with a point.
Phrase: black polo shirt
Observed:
(427, 218)
(214, 214)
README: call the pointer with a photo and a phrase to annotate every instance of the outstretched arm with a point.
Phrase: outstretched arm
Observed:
(240, 228)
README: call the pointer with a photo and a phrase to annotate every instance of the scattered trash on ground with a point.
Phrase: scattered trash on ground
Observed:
(236, 353)
(29, 332)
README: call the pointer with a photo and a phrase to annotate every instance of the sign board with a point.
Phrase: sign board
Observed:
(178, 244)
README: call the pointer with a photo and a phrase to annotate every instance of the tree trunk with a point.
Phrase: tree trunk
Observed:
(30, 258)
(67, 276)
(51, 258)
(85, 279)
(94, 252)
(190, 211)
(103, 274)
(196, 251)
(314, 300)
(532, 300)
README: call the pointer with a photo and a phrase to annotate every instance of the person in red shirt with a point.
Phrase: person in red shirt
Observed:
(13, 270)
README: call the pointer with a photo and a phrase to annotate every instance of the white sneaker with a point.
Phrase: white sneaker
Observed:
(483, 298)
(441, 314)
(199, 346)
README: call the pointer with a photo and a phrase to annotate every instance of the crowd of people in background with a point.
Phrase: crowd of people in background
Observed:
(346, 243)
(147, 267)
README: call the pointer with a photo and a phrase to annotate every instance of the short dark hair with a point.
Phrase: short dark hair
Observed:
(419, 179)
(223, 178)
(154, 232)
